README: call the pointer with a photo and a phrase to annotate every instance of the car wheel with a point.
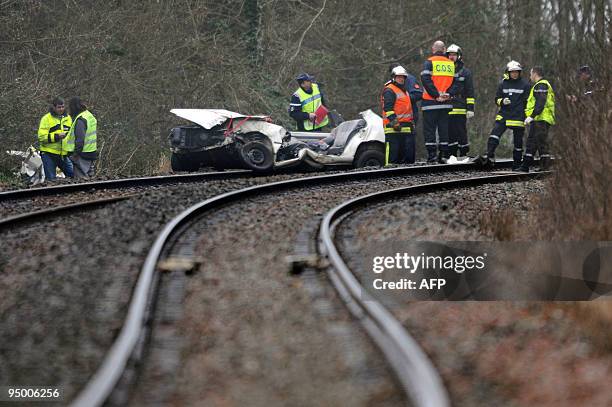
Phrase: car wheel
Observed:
(183, 162)
(257, 156)
(371, 157)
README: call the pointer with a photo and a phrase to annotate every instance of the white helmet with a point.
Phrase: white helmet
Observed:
(399, 71)
(454, 48)
(513, 66)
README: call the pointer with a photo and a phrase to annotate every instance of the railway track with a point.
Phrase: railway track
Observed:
(187, 178)
(121, 183)
(416, 373)
(60, 190)
(128, 349)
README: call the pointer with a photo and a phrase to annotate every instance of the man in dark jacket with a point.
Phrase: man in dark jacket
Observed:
(82, 139)
(437, 79)
(463, 104)
(540, 114)
(511, 98)
(398, 119)
(304, 103)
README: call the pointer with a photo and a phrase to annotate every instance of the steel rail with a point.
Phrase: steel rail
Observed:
(415, 371)
(56, 210)
(186, 178)
(102, 383)
(122, 183)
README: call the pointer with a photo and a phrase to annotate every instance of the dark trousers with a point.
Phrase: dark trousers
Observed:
(400, 148)
(436, 119)
(457, 135)
(537, 141)
(499, 129)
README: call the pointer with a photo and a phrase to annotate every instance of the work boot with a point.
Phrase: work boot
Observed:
(479, 161)
(527, 162)
(489, 162)
(517, 156)
(544, 163)
(516, 165)
(431, 157)
(443, 157)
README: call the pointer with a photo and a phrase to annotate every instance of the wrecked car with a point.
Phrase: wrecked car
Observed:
(223, 139)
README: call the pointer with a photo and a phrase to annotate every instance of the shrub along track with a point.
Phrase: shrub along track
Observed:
(68, 281)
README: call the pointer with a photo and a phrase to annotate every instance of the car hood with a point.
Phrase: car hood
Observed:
(209, 118)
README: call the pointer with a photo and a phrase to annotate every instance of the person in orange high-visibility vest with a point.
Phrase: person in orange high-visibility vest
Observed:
(437, 79)
(398, 119)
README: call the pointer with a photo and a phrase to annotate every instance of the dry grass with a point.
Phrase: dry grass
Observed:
(163, 165)
(578, 200)
(499, 224)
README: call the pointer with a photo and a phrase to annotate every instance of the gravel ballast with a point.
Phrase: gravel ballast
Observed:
(488, 353)
(252, 334)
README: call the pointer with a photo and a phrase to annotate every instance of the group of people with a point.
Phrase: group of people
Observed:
(68, 140)
(447, 102)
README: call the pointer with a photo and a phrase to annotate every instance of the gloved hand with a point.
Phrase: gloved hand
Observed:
(469, 114)
(59, 136)
(528, 120)
(506, 101)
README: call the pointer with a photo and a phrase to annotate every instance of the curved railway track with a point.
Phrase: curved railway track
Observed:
(128, 347)
(416, 373)
(174, 179)
(189, 178)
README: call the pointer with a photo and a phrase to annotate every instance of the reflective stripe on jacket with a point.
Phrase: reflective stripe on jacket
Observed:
(310, 103)
(90, 140)
(402, 110)
(548, 113)
(517, 90)
(463, 90)
(50, 125)
(442, 73)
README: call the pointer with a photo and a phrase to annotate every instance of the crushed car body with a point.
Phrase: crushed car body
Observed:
(223, 139)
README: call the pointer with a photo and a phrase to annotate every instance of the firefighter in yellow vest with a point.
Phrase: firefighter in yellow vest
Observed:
(52, 132)
(82, 139)
(540, 115)
(398, 119)
(304, 103)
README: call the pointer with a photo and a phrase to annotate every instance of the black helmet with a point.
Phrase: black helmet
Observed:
(304, 77)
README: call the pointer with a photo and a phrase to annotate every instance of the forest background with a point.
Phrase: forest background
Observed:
(133, 61)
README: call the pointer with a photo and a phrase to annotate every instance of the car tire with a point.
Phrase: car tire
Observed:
(183, 162)
(370, 157)
(257, 156)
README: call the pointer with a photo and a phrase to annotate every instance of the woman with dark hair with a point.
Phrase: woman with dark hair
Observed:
(82, 138)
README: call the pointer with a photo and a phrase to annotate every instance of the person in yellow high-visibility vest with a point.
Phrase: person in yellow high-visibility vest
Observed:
(540, 115)
(304, 103)
(82, 139)
(52, 132)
